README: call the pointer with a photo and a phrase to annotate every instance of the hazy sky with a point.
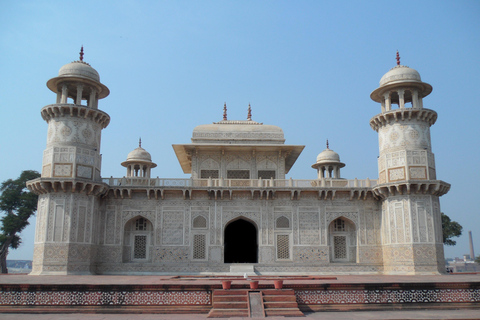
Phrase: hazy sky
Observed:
(306, 66)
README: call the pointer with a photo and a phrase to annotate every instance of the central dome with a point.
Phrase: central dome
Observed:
(238, 132)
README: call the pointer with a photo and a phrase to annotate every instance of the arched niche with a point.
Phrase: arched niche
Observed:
(137, 240)
(342, 240)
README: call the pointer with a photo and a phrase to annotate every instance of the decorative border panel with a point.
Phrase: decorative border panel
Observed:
(385, 296)
(103, 298)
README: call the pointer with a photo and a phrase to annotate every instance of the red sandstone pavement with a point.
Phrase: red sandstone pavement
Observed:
(206, 280)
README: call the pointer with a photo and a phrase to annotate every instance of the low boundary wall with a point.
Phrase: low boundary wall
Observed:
(196, 298)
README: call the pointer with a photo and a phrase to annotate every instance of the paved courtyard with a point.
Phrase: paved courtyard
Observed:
(209, 280)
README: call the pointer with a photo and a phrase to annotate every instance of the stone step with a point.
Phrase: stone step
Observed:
(286, 312)
(280, 304)
(229, 292)
(228, 313)
(280, 298)
(230, 298)
(241, 268)
(230, 305)
(281, 292)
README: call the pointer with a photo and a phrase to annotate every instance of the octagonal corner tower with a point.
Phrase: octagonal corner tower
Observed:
(70, 184)
(408, 186)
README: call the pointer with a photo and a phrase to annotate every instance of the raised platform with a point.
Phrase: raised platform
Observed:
(194, 294)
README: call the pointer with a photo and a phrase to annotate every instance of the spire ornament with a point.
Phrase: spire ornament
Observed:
(327, 144)
(81, 53)
(225, 111)
(398, 58)
(249, 115)
(140, 142)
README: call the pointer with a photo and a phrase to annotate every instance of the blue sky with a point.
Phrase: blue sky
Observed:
(306, 66)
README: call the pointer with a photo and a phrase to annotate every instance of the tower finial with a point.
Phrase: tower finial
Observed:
(140, 142)
(398, 58)
(81, 53)
(249, 115)
(327, 144)
(225, 111)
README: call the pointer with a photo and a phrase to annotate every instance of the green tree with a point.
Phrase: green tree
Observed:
(18, 204)
(451, 229)
(477, 259)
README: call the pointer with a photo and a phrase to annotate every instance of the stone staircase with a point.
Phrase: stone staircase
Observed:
(249, 303)
(281, 303)
(229, 303)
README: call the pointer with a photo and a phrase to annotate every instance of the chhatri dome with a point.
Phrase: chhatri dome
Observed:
(139, 162)
(139, 154)
(401, 85)
(79, 71)
(328, 155)
(328, 164)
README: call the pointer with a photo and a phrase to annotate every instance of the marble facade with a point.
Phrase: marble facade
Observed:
(237, 207)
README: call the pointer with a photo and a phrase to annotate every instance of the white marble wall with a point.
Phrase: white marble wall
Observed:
(172, 219)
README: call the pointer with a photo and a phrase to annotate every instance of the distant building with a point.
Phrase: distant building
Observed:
(467, 264)
(237, 211)
(19, 266)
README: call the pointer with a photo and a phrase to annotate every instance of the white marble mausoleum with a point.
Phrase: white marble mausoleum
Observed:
(237, 211)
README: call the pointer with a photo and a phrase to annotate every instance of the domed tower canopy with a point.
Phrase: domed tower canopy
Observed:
(78, 81)
(139, 162)
(401, 85)
(328, 164)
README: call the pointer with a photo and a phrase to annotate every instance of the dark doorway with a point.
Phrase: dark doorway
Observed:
(241, 242)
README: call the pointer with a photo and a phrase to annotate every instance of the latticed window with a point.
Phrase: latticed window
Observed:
(339, 225)
(283, 247)
(140, 247)
(199, 247)
(266, 174)
(200, 222)
(141, 224)
(238, 174)
(205, 174)
(282, 223)
(340, 247)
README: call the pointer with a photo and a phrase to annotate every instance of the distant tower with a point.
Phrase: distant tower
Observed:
(411, 218)
(472, 253)
(70, 184)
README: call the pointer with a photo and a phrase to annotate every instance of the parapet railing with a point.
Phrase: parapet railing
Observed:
(240, 183)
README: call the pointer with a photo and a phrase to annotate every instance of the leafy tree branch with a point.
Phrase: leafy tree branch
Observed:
(18, 205)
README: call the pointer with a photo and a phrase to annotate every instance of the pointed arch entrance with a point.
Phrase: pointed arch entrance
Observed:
(240, 242)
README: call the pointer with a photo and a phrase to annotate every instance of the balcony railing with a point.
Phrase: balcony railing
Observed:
(240, 183)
